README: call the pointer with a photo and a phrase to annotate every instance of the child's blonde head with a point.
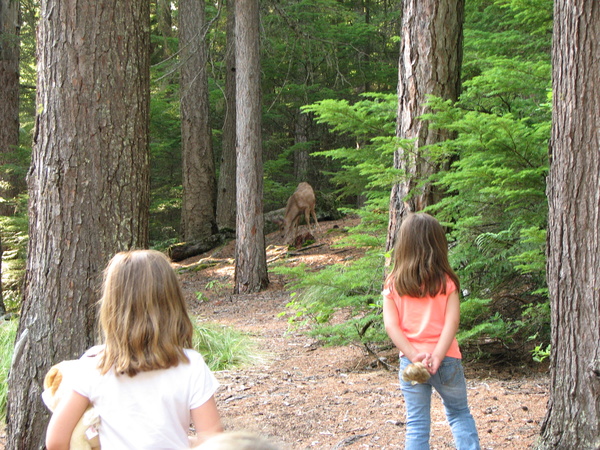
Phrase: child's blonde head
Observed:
(143, 315)
(421, 257)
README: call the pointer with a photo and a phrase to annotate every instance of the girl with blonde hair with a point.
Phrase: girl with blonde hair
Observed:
(421, 314)
(145, 381)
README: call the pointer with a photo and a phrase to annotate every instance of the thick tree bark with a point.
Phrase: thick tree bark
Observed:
(573, 267)
(430, 60)
(250, 253)
(199, 195)
(9, 98)
(88, 185)
(226, 194)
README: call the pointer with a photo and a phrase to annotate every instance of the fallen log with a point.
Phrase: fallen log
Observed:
(184, 250)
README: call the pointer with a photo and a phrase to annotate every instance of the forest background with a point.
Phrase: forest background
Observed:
(329, 76)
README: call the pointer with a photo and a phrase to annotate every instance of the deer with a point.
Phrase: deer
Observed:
(302, 201)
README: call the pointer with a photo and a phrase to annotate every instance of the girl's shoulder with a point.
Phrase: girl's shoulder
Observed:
(92, 352)
(389, 291)
(450, 285)
(194, 356)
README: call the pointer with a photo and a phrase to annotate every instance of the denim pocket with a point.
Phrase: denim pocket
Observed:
(450, 371)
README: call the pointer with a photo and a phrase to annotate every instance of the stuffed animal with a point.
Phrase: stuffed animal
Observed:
(416, 373)
(57, 384)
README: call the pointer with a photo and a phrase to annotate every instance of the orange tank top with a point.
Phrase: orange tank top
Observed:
(422, 319)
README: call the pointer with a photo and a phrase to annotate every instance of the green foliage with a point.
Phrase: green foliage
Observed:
(496, 190)
(15, 237)
(474, 310)
(314, 50)
(165, 159)
(224, 347)
(165, 216)
(494, 328)
(366, 167)
(8, 332)
(539, 353)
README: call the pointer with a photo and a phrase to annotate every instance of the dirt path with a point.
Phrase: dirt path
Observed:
(309, 396)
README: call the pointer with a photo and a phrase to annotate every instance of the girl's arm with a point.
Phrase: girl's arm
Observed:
(206, 420)
(451, 321)
(63, 421)
(391, 320)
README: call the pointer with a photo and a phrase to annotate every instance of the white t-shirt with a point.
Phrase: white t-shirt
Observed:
(150, 410)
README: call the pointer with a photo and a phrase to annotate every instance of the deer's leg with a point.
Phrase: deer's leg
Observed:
(316, 222)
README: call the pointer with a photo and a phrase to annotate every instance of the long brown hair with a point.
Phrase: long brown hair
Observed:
(421, 258)
(143, 314)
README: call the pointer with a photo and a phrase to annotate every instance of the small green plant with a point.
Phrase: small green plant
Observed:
(539, 353)
(201, 297)
(8, 331)
(224, 347)
(217, 286)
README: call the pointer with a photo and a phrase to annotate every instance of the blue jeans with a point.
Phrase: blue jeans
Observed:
(449, 382)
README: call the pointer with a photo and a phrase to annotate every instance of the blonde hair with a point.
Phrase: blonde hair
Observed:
(143, 315)
(421, 265)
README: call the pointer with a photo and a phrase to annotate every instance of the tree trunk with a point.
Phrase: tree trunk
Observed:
(226, 195)
(165, 24)
(301, 154)
(198, 210)
(88, 185)
(9, 98)
(250, 253)
(430, 60)
(573, 416)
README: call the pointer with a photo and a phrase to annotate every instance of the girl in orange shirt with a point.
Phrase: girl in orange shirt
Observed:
(421, 315)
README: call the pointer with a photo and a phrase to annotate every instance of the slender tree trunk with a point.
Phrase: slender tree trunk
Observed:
(199, 195)
(9, 99)
(165, 24)
(226, 194)
(573, 417)
(251, 258)
(88, 185)
(301, 154)
(430, 60)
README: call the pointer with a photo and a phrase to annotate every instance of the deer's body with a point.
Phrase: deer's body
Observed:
(301, 202)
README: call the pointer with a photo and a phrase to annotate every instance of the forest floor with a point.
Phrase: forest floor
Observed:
(306, 395)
